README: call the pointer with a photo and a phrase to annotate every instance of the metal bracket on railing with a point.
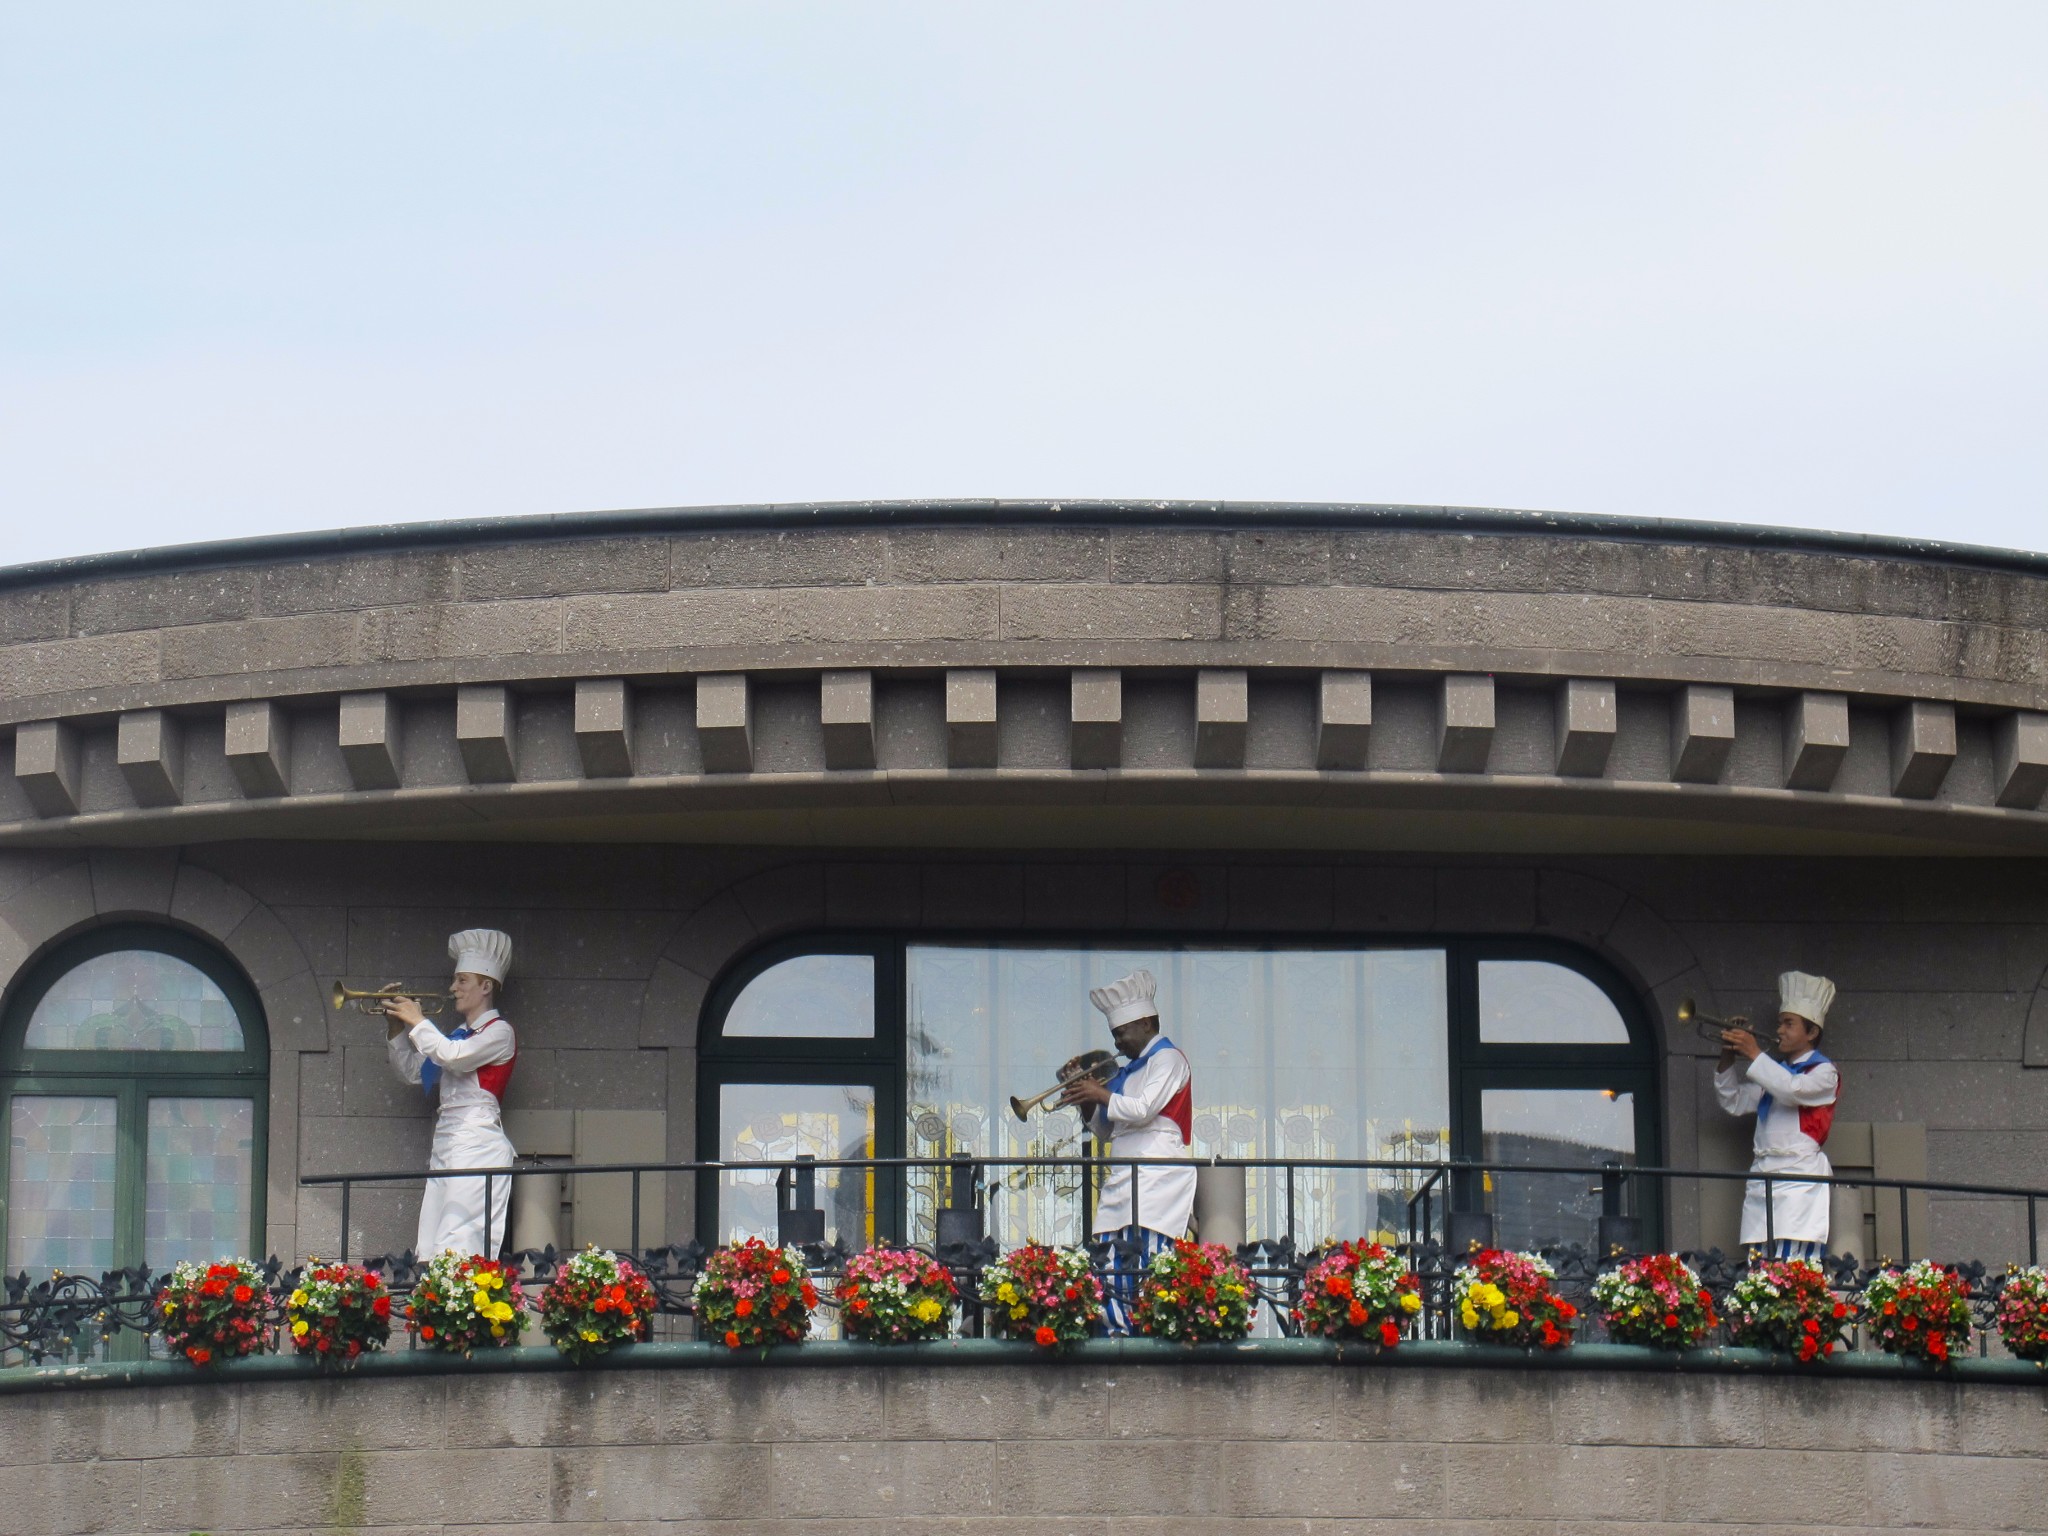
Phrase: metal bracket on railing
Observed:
(798, 1218)
(961, 1218)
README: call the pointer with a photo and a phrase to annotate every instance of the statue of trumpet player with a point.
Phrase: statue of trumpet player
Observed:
(465, 1072)
(1794, 1103)
(1145, 1110)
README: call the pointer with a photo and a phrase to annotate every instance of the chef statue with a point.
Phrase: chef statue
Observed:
(1794, 1103)
(468, 1070)
(1146, 1110)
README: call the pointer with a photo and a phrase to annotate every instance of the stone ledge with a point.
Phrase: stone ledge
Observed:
(1424, 1354)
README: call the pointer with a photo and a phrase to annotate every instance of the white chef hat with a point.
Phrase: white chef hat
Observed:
(1128, 999)
(1807, 996)
(481, 952)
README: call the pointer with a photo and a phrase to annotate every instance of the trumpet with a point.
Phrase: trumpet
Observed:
(1710, 1027)
(1096, 1066)
(374, 1001)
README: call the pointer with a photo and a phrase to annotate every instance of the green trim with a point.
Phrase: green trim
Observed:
(1428, 1354)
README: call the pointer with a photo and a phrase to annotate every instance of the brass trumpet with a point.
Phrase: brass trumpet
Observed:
(1097, 1066)
(374, 1001)
(1709, 1027)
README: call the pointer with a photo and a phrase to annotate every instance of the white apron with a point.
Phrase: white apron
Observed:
(468, 1133)
(1148, 1115)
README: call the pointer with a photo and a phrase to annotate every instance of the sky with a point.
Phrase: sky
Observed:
(273, 267)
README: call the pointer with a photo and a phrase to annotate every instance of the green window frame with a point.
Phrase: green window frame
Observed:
(881, 1063)
(133, 1078)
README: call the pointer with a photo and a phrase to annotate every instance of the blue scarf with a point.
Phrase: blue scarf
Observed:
(1813, 1059)
(1123, 1073)
(430, 1071)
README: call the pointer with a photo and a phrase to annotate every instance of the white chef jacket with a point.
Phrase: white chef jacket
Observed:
(468, 1132)
(1136, 1124)
(1785, 1142)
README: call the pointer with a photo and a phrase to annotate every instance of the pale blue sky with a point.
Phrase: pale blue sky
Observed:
(279, 266)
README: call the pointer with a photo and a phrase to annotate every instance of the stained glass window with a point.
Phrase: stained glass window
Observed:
(61, 1158)
(134, 1000)
(132, 1078)
(198, 1169)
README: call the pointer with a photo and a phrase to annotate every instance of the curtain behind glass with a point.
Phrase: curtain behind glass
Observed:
(1296, 1053)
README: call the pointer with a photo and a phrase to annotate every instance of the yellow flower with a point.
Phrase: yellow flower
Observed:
(501, 1311)
(497, 1332)
(1017, 1314)
(1487, 1296)
(591, 1335)
(482, 1302)
(298, 1298)
(1006, 1293)
(299, 1329)
(1467, 1316)
(928, 1311)
(1508, 1319)
(170, 1307)
(489, 1282)
(1410, 1302)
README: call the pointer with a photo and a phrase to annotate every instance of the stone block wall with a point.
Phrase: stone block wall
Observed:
(1073, 1449)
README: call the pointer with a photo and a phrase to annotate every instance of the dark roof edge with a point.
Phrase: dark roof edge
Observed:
(1086, 513)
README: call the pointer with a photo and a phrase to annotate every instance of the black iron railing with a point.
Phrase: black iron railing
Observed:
(1446, 1209)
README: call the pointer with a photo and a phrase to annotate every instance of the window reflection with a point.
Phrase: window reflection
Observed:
(1561, 1127)
(1534, 1002)
(813, 997)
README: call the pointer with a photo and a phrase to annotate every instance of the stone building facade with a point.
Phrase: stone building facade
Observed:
(648, 745)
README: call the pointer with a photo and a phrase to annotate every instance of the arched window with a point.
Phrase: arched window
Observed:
(1507, 1052)
(133, 1080)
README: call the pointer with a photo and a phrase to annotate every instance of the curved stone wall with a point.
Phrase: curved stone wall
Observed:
(1072, 1448)
(672, 675)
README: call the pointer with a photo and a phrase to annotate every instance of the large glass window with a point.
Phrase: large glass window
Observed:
(1511, 1053)
(1320, 1053)
(133, 1066)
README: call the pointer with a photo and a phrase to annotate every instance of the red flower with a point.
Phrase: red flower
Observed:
(199, 1354)
(732, 1340)
(425, 1332)
(780, 1277)
(1911, 1322)
(1841, 1310)
(743, 1308)
(810, 1294)
(1390, 1332)
(1670, 1319)
(243, 1295)
(1045, 1338)
(1356, 1313)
